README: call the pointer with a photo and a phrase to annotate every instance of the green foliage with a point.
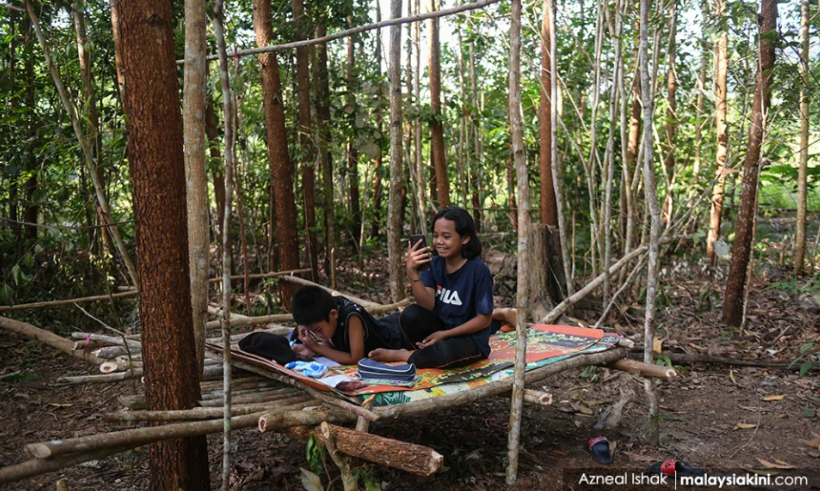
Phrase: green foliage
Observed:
(315, 453)
(805, 360)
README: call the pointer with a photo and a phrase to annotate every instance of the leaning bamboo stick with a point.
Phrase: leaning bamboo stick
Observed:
(264, 275)
(48, 338)
(645, 369)
(368, 304)
(115, 340)
(57, 303)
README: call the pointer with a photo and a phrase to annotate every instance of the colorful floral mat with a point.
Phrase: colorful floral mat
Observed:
(545, 344)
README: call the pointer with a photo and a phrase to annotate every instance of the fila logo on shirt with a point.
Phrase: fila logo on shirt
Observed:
(448, 296)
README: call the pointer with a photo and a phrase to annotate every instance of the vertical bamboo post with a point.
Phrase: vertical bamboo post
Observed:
(230, 139)
(520, 158)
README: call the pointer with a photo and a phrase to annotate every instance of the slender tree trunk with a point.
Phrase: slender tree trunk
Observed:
(630, 161)
(12, 101)
(229, 117)
(477, 122)
(417, 137)
(704, 50)
(84, 146)
(511, 194)
(651, 194)
(394, 222)
(556, 170)
(117, 36)
(722, 135)
(196, 175)
(522, 301)
(352, 151)
(31, 210)
(322, 82)
(736, 284)
(671, 114)
(277, 149)
(306, 141)
(463, 155)
(212, 130)
(377, 165)
(802, 174)
(409, 133)
(436, 125)
(157, 164)
(93, 133)
(549, 213)
(610, 149)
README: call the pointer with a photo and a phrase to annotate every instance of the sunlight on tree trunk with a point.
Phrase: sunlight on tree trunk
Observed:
(737, 283)
(196, 177)
(722, 131)
(436, 124)
(803, 168)
(394, 222)
(157, 164)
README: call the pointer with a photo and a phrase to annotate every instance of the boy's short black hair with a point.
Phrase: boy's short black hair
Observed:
(312, 304)
(465, 227)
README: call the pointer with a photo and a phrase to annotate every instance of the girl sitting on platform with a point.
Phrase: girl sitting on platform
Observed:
(450, 324)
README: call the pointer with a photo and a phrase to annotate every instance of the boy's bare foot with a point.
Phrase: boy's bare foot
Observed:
(506, 316)
(390, 355)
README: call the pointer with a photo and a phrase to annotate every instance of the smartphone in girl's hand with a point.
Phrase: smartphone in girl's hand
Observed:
(414, 239)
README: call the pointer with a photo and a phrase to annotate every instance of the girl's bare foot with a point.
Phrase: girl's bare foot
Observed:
(506, 316)
(390, 355)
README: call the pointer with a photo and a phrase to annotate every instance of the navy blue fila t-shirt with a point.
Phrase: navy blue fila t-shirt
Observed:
(462, 295)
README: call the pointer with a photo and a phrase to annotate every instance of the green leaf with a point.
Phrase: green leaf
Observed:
(16, 274)
(805, 367)
(6, 295)
(806, 347)
(311, 481)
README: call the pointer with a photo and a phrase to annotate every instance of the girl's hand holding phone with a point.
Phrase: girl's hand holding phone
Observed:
(417, 256)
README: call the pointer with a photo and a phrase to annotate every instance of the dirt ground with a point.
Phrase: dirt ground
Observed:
(700, 410)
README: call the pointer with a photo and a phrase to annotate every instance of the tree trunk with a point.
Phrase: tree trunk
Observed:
(322, 81)
(651, 195)
(117, 36)
(352, 151)
(409, 135)
(89, 102)
(377, 165)
(511, 194)
(31, 210)
(671, 114)
(802, 174)
(395, 251)
(300, 21)
(277, 148)
(436, 125)
(519, 151)
(549, 212)
(196, 175)
(212, 130)
(736, 284)
(722, 136)
(157, 165)
(704, 50)
(417, 141)
(475, 166)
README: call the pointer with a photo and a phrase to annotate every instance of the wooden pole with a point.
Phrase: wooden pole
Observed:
(57, 303)
(645, 369)
(48, 338)
(210, 413)
(359, 29)
(259, 276)
(265, 319)
(522, 296)
(364, 303)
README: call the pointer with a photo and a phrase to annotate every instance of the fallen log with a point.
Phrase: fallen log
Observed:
(133, 344)
(277, 420)
(208, 372)
(57, 303)
(408, 457)
(537, 397)
(258, 388)
(48, 338)
(690, 358)
(292, 404)
(111, 352)
(645, 369)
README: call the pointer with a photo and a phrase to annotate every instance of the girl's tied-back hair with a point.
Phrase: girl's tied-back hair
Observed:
(465, 227)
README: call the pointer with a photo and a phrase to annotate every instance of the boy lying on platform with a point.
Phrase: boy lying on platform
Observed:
(347, 331)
